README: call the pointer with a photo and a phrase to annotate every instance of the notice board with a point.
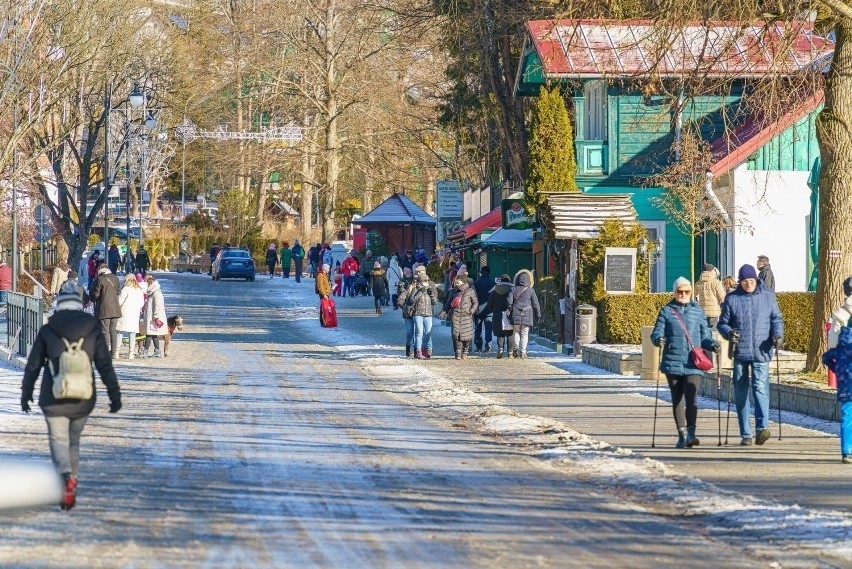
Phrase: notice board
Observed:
(620, 270)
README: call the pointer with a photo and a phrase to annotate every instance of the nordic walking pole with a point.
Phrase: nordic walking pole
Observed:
(719, 393)
(732, 353)
(656, 398)
(778, 381)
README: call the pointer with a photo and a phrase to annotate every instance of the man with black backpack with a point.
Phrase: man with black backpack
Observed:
(66, 347)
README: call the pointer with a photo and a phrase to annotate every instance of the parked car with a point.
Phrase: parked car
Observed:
(233, 263)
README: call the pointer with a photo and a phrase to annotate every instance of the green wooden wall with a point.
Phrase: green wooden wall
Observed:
(795, 149)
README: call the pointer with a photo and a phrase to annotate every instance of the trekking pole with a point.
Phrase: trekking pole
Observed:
(732, 352)
(656, 400)
(719, 393)
(778, 381)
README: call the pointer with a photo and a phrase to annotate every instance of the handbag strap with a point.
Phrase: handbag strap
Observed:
(685, 331)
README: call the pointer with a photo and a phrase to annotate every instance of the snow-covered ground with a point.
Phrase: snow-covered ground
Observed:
(281, 445)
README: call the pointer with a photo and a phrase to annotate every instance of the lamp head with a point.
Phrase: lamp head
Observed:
(137, 97)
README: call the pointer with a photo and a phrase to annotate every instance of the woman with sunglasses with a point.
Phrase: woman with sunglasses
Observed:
(681, 326)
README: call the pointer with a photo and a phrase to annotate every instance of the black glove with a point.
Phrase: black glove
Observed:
(716, 348)
(778, 342)
(115, 406)
(660, 342)
(25, 405)
(734, 336)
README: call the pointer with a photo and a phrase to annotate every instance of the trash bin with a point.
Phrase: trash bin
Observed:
(585, 326)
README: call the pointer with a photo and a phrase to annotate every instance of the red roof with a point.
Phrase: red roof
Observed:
(732, 150)
(624, 48)
(491, 220)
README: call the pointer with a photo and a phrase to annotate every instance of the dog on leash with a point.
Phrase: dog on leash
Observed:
(173, 323)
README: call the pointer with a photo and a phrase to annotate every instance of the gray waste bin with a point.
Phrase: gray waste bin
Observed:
(585, 324)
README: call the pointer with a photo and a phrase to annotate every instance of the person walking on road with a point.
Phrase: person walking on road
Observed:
(108, 311)
(838, 359)
(66, 417)
(298, 258)
(350, 274)
(131, 299)
(424, 298)
(525, 311)
(752, 321)
(322, 284)
(142, 260)
(460, 307)
(483, 324)
(682, 325)
(314, 257)
(214, 250)
(113, 259)
(379, 285)
(405, 302)
(710, 293)
(286, 259)
(765, 276)
(394, 278)
(271, 259)
(500, 305)
(155, 317)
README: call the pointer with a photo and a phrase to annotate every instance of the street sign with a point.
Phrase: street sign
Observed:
(43, 234)
(37, 211)
(514, 216)
(450, 200)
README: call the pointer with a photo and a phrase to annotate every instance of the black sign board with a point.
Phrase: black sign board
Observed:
(619, 270)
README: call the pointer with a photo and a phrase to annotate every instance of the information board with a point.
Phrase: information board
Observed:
(450, 200)
(620, 270)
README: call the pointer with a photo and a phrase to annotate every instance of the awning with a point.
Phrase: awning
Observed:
(573, 215)
(510, 239)
(490, 220)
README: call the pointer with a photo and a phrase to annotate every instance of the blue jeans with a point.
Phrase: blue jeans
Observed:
(477, 334)
(846, 428)
(422, 332)
(348, 285)
(409, 331)
(758, 381)
(4, 296)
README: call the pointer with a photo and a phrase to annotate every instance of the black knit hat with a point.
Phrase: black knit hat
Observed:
(847, 286)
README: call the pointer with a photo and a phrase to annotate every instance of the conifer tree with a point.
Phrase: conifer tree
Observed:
(552, 167)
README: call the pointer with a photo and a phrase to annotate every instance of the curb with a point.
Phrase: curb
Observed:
(12, 358)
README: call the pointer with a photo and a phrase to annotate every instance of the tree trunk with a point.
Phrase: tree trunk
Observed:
(834, 133)
(332, 140)
(308, 175)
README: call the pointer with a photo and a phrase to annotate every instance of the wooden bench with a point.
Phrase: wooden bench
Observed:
(197, 264)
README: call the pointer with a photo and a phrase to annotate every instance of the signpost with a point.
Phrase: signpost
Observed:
(619, 270)
(450, 206)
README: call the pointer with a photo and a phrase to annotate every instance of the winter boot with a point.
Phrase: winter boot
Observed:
(69, 493)
(691, 439)
(458, 354)
(407, 351)
(523, 355)
(143, 354)
(681, 438)
(157, 354)
(426, 354)
(514, 352)
(487, 348)
(418, 354)
(847, 459)
(763, 435)
(499, 354)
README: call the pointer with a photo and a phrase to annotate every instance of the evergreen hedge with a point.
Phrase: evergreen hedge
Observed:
(621, 317)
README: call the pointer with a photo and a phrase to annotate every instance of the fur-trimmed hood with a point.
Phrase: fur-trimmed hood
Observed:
(524, 277)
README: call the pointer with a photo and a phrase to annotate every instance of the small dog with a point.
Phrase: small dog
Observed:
(174, 324)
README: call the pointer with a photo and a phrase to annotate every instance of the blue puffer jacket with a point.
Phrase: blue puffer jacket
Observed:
(675, 360)
(758, 319)
(839, 359)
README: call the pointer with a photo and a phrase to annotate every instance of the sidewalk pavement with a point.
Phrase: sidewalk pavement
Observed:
(803, 468)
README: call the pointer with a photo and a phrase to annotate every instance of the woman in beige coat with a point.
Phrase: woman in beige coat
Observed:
(710, 294)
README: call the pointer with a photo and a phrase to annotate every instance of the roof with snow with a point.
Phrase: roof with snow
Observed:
(397, 209)
(509, 239)
(580, 49)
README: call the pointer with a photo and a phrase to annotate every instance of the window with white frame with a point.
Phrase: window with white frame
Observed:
(594, 93)
(657, 231)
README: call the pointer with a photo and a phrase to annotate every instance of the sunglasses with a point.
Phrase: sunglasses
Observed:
(683, 292)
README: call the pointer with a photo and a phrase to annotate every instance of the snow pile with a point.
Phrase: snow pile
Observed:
(644, 480)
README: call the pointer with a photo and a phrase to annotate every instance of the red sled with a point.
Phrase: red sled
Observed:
(328, 313)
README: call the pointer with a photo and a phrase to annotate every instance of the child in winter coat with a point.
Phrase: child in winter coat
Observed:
(839, 360)
(338, 280)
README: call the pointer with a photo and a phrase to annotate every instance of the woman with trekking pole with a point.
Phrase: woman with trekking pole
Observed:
(681, 331)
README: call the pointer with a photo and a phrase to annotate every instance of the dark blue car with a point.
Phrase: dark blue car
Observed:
(233, 263)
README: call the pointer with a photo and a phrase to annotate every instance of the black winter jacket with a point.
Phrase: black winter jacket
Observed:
(499, 301)
(105, 294)
(71, 325)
